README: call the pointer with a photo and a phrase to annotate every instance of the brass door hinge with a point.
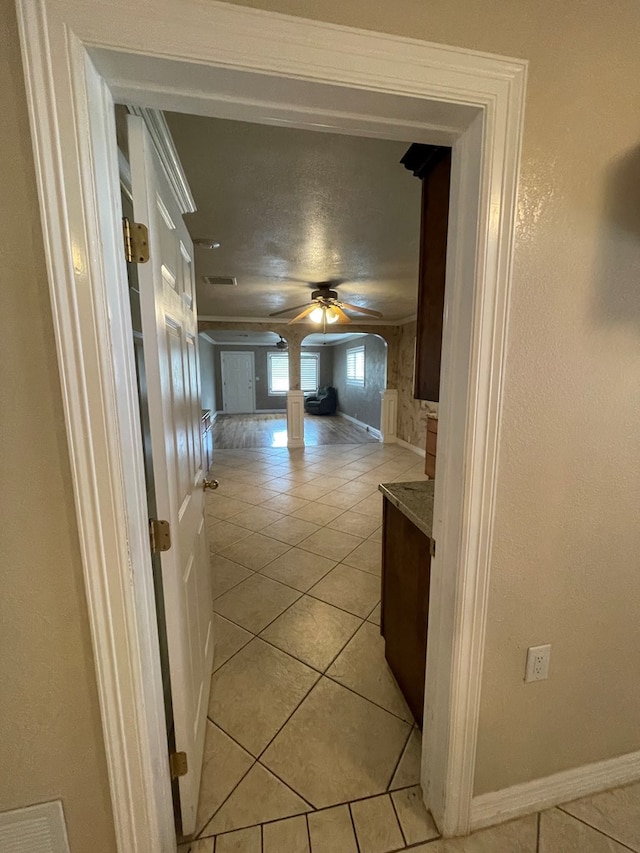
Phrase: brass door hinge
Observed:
(136, 241)
(178, 764)
(160, 535)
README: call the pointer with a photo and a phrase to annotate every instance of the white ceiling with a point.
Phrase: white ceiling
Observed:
(264, 339)
(292, 206)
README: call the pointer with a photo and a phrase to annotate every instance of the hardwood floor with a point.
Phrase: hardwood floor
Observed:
(243, 431)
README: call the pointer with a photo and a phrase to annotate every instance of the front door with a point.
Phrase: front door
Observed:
(170, 336)
(238, 371)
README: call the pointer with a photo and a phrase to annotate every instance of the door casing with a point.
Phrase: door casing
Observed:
(236, 62)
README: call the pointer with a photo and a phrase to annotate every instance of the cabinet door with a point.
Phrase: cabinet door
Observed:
(433, 253)
(432, 165)
(406, 566)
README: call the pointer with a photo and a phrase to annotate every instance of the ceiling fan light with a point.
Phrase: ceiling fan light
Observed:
(332, 316)
(316, 315)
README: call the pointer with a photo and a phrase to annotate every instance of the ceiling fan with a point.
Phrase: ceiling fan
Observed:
(282, 344)
(325, 306)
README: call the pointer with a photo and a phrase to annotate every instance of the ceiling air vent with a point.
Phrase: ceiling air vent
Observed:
(225, 280)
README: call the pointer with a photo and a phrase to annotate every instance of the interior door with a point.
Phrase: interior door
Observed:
(170, 335)
(238, 373)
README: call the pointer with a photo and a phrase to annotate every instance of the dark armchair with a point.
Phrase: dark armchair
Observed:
(325, 402)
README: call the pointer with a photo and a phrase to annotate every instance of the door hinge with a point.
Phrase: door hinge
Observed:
(432, 547)
(136, 241)
(178, 764)
(159, 535)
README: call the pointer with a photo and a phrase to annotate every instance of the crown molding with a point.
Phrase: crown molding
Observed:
(156, 124)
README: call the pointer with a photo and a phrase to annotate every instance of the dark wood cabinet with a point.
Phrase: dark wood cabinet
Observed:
(431, 448)
(432, 165)
(406, 573)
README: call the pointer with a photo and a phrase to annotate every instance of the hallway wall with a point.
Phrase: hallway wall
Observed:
(207, 373)
(50, 728)
(361, 403)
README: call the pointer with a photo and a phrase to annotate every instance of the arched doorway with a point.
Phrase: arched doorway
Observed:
(349, 370)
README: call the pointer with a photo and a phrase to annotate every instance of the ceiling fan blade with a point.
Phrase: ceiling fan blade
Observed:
(287, 310)
(361, 310)
(304, 313)
(342, 317)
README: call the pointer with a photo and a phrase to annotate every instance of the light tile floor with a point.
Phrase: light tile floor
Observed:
(310, 747)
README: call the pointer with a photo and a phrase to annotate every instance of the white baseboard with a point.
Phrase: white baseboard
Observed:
(419, 450)
(530, 797)
(372, 430)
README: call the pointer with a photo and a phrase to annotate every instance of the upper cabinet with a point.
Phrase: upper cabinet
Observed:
(432, 165)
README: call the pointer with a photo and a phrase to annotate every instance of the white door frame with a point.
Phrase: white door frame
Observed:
(253, 367)
(197, 57)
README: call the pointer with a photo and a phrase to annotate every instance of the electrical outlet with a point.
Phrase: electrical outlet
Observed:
(537, 663)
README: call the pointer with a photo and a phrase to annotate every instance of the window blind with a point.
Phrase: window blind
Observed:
(355, 366)
(278, 370)
(309, 371)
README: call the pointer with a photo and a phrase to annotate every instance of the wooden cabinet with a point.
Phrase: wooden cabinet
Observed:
(432, 165)
(406, 572)
(432, 443)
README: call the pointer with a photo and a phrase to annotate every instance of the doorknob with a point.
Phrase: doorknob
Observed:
(209, 484)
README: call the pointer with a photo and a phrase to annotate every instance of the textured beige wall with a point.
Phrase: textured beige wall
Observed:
(49, 722)
(567, 539)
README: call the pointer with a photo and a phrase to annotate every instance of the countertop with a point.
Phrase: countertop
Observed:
(415, 500)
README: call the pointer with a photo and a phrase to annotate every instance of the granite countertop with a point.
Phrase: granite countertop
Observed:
(415, 500)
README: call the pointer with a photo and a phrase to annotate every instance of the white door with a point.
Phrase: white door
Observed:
(170, 335)
(238, 374)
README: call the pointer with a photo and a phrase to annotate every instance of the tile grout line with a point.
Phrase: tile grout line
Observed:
(200, 835)
(306, 818)
(596, 829)
(337, 655)
(402, 752)
(229, 590)
(273, 645)
(313, 810)
(308, 592)
(395, 811)
(353, 827)
(306, 695)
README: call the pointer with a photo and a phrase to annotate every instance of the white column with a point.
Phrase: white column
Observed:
(295, 419)
(388, 415)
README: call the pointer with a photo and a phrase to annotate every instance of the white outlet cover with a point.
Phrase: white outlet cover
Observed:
(537, 668)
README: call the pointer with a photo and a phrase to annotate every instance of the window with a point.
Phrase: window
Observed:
(355, 366)
(309, 371)
(278, 372)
